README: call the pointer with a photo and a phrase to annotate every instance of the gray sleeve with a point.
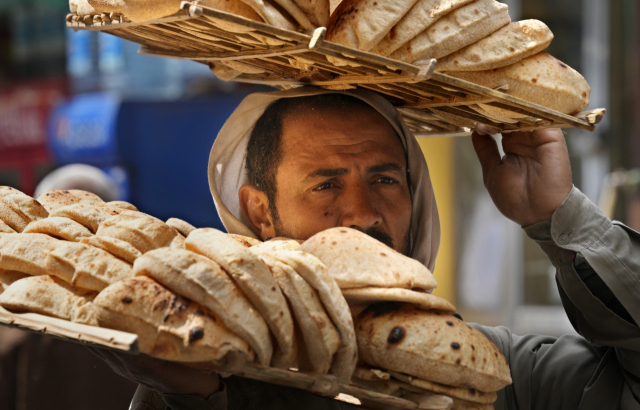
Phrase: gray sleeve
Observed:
(147, 399)
(612, 250)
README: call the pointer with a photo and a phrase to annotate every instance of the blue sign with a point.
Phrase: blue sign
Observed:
(84, 130)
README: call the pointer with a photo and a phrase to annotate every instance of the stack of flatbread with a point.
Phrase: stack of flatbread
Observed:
(409, 342)
(474, 40)
(199, 295)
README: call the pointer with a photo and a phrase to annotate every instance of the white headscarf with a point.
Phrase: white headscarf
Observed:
(227, 172)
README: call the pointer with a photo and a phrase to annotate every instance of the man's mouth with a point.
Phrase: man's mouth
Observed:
(381, 236)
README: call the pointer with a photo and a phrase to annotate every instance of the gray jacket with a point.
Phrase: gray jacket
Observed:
(598, 276)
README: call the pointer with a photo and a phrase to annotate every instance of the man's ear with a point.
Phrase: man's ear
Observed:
(255, 207)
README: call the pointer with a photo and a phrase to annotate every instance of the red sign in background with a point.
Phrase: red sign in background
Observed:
(24, 114)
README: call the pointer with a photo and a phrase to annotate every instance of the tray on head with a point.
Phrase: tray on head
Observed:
(321, 384)
(432, 104)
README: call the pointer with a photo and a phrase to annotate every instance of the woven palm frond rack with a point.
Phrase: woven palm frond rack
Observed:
(428, 100)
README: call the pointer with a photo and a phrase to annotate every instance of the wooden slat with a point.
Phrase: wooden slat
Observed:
(71, 331)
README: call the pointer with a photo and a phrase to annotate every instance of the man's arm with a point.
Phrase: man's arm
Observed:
(604, 308)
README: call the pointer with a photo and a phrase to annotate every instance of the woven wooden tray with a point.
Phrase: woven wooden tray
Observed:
(323, 385)
(433, 104)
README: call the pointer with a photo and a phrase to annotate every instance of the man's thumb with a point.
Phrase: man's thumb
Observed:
(487, 151)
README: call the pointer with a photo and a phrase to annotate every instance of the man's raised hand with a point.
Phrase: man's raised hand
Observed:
(532, 179)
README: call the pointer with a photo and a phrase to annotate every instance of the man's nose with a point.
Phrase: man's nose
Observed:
(358, 209)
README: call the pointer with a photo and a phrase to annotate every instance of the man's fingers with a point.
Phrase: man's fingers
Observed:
(487, 152)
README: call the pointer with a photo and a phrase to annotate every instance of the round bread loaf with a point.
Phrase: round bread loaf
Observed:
(430, 345)
(540, 79)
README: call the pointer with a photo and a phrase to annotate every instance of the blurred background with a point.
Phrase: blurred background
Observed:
(148, 123)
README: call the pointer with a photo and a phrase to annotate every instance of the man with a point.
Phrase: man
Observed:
(296, 162)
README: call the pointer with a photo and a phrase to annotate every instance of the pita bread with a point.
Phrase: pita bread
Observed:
(320, 337)
(356, 260)
(500, 112)
(4, 228)
(461, 393)
(453, 119)
(540, 79)
(422, 15)
(242, 67)
(54, 199)
(333, 5)
(17, 210)
(423, 300)
(257, 283)
(24, 252)
(277, 244)
(121, 249)
(457, 403)
(181, 226)
(388, 387)
(510, 44)
(122, 205)
(493, 116)
(458, 29)
(294, 11)
(362, 24)
(7, 277)
(82, 8)
(59, 227)
(50, 296)
(85, 266)
(168, 326)
(316, 10)
(272, 14)
(223, 72)
(143, 232)
(316, 275)
(402, 338)
(89, 216)
(246, 241)
(203, 281)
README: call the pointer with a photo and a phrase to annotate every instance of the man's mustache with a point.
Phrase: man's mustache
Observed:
(380, 235)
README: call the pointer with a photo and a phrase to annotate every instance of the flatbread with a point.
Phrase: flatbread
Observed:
(315, 273)
(181, 226)
(421, 16)
(367, 373)
(361, 24)
(493, 116)
(82, 8)
(255, 279)
(356, 260)
(246, 241)
(4, 228)
(7, 277)
(461, 393)
(317, 11)
(50, 296)
(294, 11)
(89, 216)
(457, 403)
(510, 44)
(430, 345)
(277, 244)
(17, 210)
(320, 339)
(203, 281)
(24, 252)
(388, 387)
(458, 29)
(143, 232)
(122, 205)
(54, 199)
(223, 72)
(59, 227)
(540, 79)
(423, 300)
(85, 266)
(272, 14)
(168, 326)
(121, 249)
(453, 119)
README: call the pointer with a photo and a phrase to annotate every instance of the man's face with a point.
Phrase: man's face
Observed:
(346, 169)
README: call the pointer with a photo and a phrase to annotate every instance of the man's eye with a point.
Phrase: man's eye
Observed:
(387, 180)
(324, 186)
